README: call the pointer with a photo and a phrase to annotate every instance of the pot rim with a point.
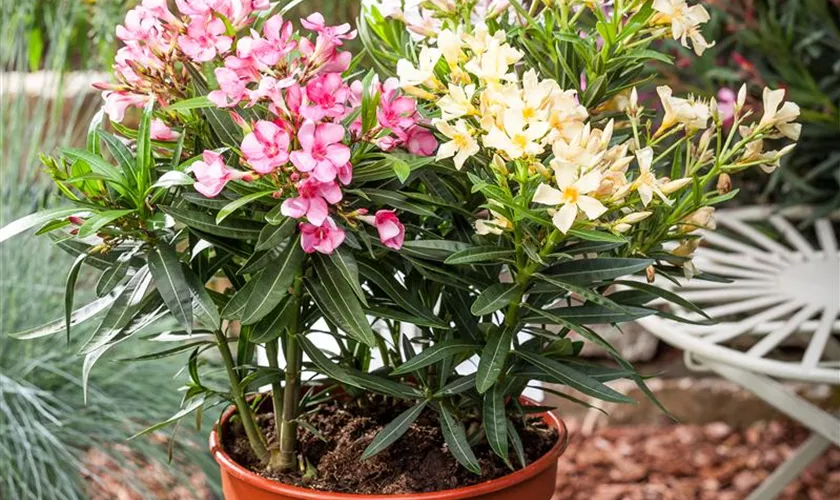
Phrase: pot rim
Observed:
(230, 466)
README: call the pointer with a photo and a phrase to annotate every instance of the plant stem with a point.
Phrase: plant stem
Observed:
(288, 423)
(272, 350)
(255, 437)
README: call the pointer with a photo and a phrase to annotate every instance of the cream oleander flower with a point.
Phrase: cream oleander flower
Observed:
(647, 184)
(493, 66)
(457, 103)
(518, 138)
(754, 152)
(782, 119)
(531, 102)
(424, 74)
(571, 196)
(690, 112)
(566, 115)
(586, 149)
(451, 46)
(496, 225)
(685, 22)
(462, 145)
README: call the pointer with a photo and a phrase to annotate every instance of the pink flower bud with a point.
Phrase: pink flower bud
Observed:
(391, 230)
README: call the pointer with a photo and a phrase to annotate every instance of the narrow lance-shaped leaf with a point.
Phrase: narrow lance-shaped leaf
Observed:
(204, 308)
(337, 302)
(344, 262)
(493, 358)
(99, 220)
(273, 283)
(70, 292)
(495, 421)
(172, 284)
(111, 278)
(456, 439)
(437, 352)
(54, 327)
(37, 219)
(394, 430)
(494, 298)
(573, 378)
(123, 310)
(479, 254)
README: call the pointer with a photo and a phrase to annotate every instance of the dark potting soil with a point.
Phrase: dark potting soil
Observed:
(418, 462)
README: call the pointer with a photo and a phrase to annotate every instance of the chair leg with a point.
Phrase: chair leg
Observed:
(815, 446)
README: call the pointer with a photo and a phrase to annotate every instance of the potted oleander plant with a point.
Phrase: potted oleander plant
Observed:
(500, 186)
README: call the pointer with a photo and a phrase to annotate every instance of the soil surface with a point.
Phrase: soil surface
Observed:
(418, 462)
(688, 462)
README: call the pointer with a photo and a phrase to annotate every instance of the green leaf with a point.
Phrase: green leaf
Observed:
(494, 419)
(327, 367)
(59, 326)
(402, 169)
(99, 166)
(456, 439)
(457, 386)
(441, 350)
(94, 129)
(126, 306)
(494, 298)
(438, 250)
(345, 264)
(143, 160)
(171, 283)
(120, 152)
(191, 406)
(394, 430)
(487, 253)
(399, 201)
(591, 271)
(240, 229)
(493, 358)
(111, 278)
(516, 442)
(385, 386)
(275, 215)
(239, 203)
(204, 307)
(274, 282)
(400, 295)
(236, 305)
(587, 314)
(70, 292)
(575, 379)
(665, 294)
(193, 103)
(274, 325)
(272, 235)
(603, 236)
(99, 220)
(336, 300)
(38, 218)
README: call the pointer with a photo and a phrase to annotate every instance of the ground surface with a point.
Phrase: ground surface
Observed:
(687, 462)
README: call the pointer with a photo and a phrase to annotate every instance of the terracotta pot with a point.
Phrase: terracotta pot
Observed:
(534, 482)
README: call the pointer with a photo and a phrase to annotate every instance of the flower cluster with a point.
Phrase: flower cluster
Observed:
(302, 145)
(487, 110)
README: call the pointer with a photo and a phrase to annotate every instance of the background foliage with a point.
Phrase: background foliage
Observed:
(792, 44)
(45, 426)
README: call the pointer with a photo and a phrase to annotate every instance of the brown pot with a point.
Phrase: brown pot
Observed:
(534, 482)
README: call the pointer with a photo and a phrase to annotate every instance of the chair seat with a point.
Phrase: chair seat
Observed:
(785, 291)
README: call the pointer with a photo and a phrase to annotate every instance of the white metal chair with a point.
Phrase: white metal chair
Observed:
(786, 291)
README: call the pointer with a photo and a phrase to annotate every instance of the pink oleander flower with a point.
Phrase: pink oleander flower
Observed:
(141, 24)
(267, 147)
(726, 104)
(391, 230)
(205, 38)
(323, 153)
(131, 56)
(201, 7)
(313, 201)
(326, 96)
(397, 113)
(272, 89)
(212, 174)
(276, 44)
(332, 34)
(159, 131)
(231, 89)
(345, 173)
(421, 141)
(324, 238)
(117, 102)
